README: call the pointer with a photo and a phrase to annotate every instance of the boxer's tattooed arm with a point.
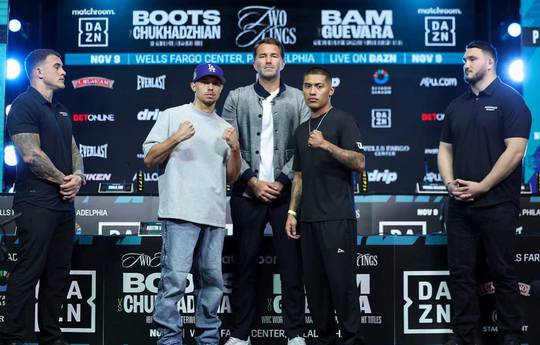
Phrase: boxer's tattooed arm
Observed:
(28, 145)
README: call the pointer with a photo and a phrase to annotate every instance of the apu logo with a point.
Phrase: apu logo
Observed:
(440, 31)
(438, 82)
(93, 32)
(79, 310)
(257, 22)
(427, 302)
(381, 118)
(402, 228)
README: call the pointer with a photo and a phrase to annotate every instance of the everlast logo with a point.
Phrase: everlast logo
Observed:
(93, 151)
(151, 82)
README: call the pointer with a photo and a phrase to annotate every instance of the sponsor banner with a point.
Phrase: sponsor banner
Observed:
(386, 150)
(92, 81)
(239, 58)
(357, 28)
(258, 22)
(148, 115)
(430, 82)
(79, 309)
(88, 151)
(93, 27)
(176, 28)
(118, 228)
(94, 117)
(144, 82)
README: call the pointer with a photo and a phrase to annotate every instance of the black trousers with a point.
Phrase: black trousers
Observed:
(46, 243)
(329, 261)
(490, 230)
(249, 218)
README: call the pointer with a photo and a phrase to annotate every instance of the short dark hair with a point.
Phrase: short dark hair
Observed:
(484, 46)
(269, 40)
(320, 71)
(35, 57)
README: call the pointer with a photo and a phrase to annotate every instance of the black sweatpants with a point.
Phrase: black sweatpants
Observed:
(328, 257)
(492, 229)
(46, 245)
(249, 218)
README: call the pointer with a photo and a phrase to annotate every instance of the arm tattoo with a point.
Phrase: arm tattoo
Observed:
(351, 159)
(40, 164)
(77, 162)
(296, 193)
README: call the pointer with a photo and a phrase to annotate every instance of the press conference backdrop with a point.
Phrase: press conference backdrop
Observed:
(396, 66)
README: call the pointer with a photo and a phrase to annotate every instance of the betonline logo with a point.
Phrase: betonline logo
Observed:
(151, 82)
(432, 117)
(93, 118)
(427, 302)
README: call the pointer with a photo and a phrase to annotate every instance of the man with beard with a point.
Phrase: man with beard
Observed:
(265, 114)
(482, 144)
(328, 148)
(196, 152)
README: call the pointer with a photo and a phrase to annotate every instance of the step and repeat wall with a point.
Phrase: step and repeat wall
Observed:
(396, 66)
(402, 282)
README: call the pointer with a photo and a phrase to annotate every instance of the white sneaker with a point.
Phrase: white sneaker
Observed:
(236, 341)
(296, 341)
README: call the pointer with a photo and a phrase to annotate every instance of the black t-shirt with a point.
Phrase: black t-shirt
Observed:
(477, 126)
(31, 113)
(326, 183)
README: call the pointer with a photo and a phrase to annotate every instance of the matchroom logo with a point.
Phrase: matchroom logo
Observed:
(427, 302)
(79, 310)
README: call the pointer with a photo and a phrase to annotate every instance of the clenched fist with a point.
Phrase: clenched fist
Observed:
(230, 137)
(184, 131)
(316, 139)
